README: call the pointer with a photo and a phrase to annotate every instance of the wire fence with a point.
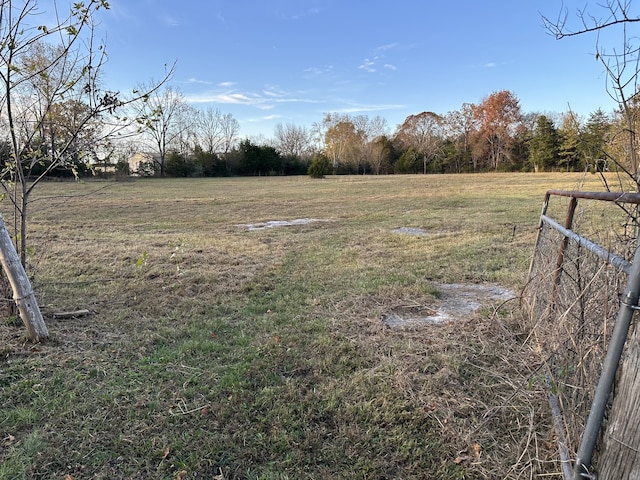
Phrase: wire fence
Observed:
(578, 273)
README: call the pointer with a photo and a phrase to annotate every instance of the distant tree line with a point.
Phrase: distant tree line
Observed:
(246, 159)
(183, 141)
(493, 135)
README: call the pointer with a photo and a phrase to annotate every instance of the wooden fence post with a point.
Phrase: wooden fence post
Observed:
(21, 286)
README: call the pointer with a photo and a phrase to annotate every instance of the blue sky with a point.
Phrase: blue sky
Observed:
(289, 61)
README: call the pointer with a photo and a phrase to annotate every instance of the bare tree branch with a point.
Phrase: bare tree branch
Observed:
(618, 14)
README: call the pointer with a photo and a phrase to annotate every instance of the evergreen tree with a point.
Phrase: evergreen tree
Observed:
(544, 146)
(570, 153)
(177, 165)
(594, 140)
(319, 166)
(260, 159)
(409, 162)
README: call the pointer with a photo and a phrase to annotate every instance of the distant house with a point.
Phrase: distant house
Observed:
(104, 167)
(142, 164)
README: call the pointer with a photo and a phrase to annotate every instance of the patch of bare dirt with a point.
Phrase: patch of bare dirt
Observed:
(416, 232)
(279, 223)
(457, 301)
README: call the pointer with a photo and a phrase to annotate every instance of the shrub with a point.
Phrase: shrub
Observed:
(178, 166)
(319, 166)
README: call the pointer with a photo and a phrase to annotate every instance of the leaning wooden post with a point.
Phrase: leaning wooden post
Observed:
(21, 286)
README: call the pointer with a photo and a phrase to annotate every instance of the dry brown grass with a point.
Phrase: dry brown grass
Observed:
(574, 310)
(216, 351)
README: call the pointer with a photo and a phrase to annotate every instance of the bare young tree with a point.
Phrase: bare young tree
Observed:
(51, 101)
(215, 132)
(230, 130)
(371, 152)
(210, 130)
(423, 131)
(291, 140)
(186, 127)
(162, 120)
(621, 62)
(458, 127)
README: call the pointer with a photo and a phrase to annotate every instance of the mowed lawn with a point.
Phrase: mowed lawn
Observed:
(214, 350)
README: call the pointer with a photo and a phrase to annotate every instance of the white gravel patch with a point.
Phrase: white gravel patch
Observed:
(279, 223)
(457, 302)
(416, 232)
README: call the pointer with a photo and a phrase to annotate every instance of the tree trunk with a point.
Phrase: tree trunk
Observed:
(23, 224)
(22, 292)
(620, 457)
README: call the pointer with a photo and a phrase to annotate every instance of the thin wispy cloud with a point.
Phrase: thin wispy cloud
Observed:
(273, 91)
(307, 13)
(368, 65)
(278, 95)
(170, 21)
(267, 99)
(266, 118)
(378, 61)
(388, 46)
(487, 65)
(313, 72)
(219, 97)
(248, 99)
(119, 11)
(193, 80)
(360, 108)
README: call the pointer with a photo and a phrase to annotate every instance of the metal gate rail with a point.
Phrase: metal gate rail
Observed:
(628, 305)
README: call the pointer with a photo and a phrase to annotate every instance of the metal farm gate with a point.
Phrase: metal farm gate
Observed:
(582, 292)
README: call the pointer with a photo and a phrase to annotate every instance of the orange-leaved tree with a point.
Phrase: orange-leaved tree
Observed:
(498, 118)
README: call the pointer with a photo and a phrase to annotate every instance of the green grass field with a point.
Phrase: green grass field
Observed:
(218, 352)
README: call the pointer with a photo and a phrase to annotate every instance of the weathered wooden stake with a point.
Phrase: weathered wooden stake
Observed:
(21, 286)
